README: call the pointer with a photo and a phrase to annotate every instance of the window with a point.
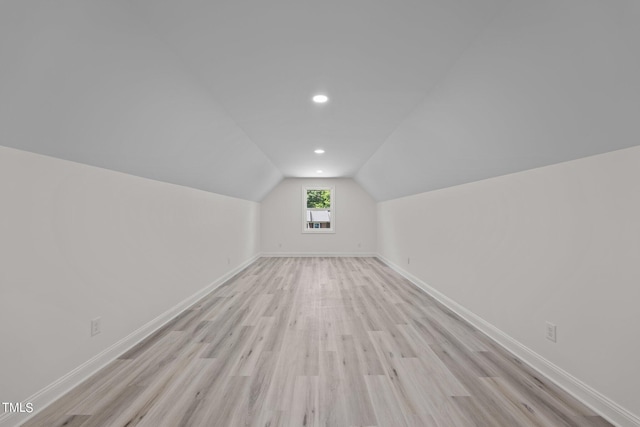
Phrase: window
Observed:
(318, 210)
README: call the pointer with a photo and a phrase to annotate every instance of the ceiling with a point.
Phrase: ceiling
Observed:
(263, 61)
(216, 95)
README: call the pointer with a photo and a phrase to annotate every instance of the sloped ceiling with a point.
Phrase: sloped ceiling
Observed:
(216, 94)
(84, 81)
(263, 61)
(546, 82)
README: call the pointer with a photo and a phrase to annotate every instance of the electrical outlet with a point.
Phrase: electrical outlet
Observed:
(96, 326)
(551, 332)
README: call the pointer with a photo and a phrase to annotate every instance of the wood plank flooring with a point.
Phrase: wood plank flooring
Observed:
(317, 342)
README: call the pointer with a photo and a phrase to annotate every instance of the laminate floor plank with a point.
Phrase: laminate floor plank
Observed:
(358, 404)
(332, 342)
(539, 393)
(522, 408)
(366, 352)
(304, 405)
(385, 405)
(169, 381)
(259, 387)
(331, 402)
(178, 403)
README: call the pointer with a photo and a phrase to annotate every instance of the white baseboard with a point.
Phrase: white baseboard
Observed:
(317, 254)
(599, 403)
(58, 388)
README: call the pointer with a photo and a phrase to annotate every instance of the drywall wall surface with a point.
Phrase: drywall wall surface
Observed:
(354, 214)
(546, 82)
(559, 243)
(79, 242)
(85, 81)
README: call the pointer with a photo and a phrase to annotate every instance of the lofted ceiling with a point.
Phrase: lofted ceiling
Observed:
(216, 95)
(263, 61)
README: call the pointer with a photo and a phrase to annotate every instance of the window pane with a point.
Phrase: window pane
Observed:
(318, 209)
(318, 198)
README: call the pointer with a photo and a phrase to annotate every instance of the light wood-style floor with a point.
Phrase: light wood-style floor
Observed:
(317, 342)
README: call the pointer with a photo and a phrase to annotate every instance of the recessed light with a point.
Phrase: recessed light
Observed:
(320, 99)
(319, 171)
(319, 151)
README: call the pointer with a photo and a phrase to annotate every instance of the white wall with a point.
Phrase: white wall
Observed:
(559, 243)
(354, 213)
(79, 242)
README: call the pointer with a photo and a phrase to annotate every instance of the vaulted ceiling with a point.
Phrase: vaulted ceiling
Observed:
(216, 95)
(263, 61)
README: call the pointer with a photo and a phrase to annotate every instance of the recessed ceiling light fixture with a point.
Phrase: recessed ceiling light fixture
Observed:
(319, 151)
(320, 99)
(319, 171)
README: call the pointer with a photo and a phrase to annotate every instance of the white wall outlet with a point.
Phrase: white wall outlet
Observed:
(96, 326)
(551, 332)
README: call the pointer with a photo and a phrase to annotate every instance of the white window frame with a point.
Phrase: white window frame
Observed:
(332, 229)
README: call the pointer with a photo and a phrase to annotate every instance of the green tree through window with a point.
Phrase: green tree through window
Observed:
(318, 198)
